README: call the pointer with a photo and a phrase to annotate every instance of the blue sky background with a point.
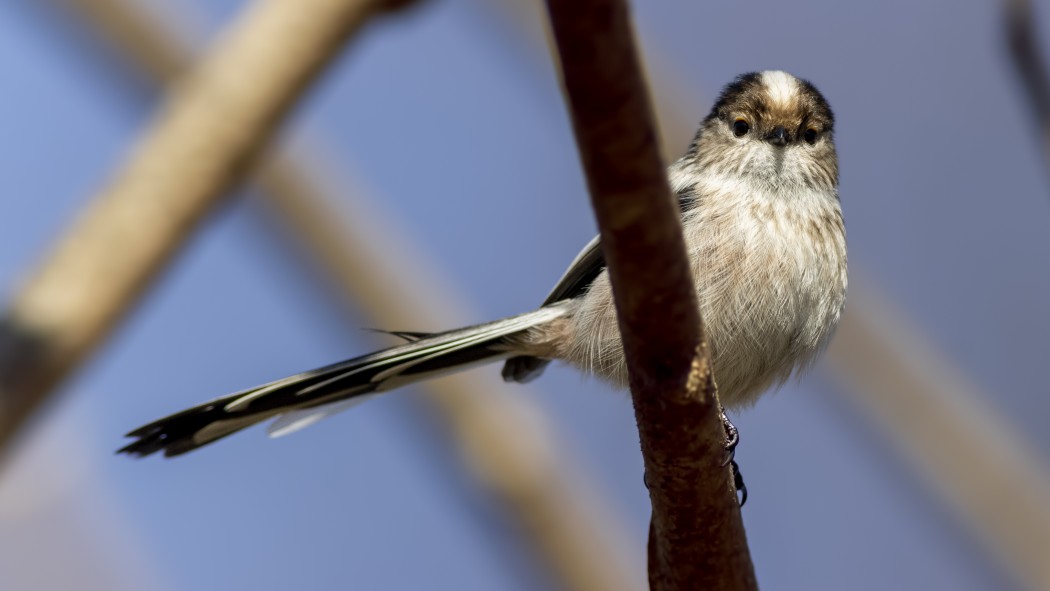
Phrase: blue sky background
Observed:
(462, 133)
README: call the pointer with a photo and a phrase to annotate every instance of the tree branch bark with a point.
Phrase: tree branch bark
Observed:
(697, 536)
(215, 123)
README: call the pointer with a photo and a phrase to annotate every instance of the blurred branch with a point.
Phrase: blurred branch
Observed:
(56, 509)
(160, 50)
(506, 442)
(1023, 41)
(696, 536)
(941, 426)
(210, 130)
(565, 520)
(672, 103)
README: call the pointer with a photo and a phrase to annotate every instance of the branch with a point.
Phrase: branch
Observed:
(563, 517)
(948, 433)
(214, 124)
(1023, 41)
(696, 534)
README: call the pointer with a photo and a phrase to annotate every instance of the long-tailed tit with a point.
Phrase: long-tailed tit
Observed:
(758, 190)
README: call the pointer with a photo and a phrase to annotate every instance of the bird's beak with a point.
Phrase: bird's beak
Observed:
(778, 137)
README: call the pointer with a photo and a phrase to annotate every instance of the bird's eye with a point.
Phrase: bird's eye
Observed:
(740, 128)
(810, 136)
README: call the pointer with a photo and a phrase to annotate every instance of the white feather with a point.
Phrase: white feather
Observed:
(781, 86)
(294, 420)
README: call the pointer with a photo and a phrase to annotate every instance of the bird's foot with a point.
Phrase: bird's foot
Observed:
(738, 482)
(732, 436)
(732, 440)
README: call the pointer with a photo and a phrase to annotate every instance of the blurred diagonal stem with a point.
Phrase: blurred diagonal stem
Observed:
(1022, 38)
(942, 427)
(562, 516)
(506, 442)
(209, 131)
(696, 536)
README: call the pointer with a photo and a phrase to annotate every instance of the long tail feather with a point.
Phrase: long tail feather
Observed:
(309, 396)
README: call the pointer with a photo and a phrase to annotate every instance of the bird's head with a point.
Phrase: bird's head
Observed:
(770, 128)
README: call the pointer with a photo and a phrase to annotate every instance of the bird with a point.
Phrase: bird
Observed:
(758, 194)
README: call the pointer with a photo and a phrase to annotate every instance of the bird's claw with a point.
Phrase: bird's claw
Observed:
(732, 437)
(732, 440)
(738, 482)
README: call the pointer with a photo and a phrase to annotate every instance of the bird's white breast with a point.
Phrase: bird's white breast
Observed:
(770, 269)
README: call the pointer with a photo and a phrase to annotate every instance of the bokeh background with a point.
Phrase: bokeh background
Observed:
(449, 117)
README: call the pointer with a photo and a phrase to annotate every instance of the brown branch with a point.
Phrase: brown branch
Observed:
(214, 124)
(696, 534)
(563, 517)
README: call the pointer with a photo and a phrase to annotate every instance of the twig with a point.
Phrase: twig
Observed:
(1023, 41)
(696, 534)
(213, 125)
(565, 519)
(154, 42)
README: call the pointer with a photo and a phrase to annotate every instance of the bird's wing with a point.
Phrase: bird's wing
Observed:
(581, 272)
(590, 263)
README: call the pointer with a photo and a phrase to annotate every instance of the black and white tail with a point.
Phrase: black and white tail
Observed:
(301, 400)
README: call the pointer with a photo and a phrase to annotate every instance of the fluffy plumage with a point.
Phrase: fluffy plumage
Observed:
(758, 188)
